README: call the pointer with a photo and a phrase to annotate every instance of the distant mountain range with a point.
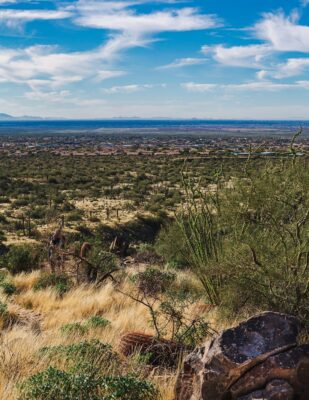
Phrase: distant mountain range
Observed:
(7, 117)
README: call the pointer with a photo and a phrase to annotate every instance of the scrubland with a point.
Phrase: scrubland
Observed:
(201, 246)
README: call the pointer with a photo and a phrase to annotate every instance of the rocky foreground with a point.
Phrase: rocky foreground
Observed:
(260, 359)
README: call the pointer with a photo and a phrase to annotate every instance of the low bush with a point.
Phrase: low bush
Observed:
(75, 328)
(61, 283)
(8, 288)
(22, 258)
(93, 352)
(153, 281)
(97, 322)
(171, 246)
(54, 384)
(3, 308)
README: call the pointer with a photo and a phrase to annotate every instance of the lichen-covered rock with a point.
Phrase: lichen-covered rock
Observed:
(291, 365)
(215, 371)
(275, 390)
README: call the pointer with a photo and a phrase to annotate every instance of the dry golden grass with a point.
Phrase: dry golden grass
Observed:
(19, 345)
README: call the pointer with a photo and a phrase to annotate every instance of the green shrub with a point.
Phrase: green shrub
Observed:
(93, 352)
(97, 322)
(37, 213)
(128, 388)
(22, 258)
(82, 328)
(54, 384)
(153, 281)
(3, 276)
(249, 243)
(8, 288)
(61, 283)
(3, 308)
(75, 328)
(170, 245)
(104, 261)
(75, 215)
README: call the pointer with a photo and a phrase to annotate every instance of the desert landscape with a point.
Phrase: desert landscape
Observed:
(115, 266)
(154, 200)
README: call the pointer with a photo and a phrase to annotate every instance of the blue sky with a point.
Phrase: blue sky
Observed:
(166, 58)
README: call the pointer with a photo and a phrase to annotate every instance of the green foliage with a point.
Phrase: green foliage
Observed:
(97, 322)
(128, 388)
(93, 352)
(54, 384)
(104, 261)
(60, 282)
(22, 258)
(141, 229)
(194, 333)
(82, 328)
(3, 309)
(8, 288)
(3, 276)
(169, 306)
(75, 328)
(75, 215)
(248, 242)
(201, 231)
(170, 244)
(153, 281)
(269, 232)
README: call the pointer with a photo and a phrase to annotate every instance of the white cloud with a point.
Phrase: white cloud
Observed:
(292, 67)
(63, 97)
(13, 18)
(283, 33)
(278, 34)
(106, 74)
(119, 16)
(183, 62)
(251, 86)
(29, 15)
(251, 56)
(268, 86)
(51, 96)
(130, 88)
(199, 87)
(47, 67)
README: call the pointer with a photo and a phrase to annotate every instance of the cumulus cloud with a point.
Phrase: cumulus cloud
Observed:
(47, 67)
(283, 33)
(183, 62)
(120, 16)
(292, 67)
(278, 34)
(251, 56)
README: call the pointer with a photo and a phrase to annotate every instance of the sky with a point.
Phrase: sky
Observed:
(221, 59)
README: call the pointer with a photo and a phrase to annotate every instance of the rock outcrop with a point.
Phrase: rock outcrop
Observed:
(258, 359)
